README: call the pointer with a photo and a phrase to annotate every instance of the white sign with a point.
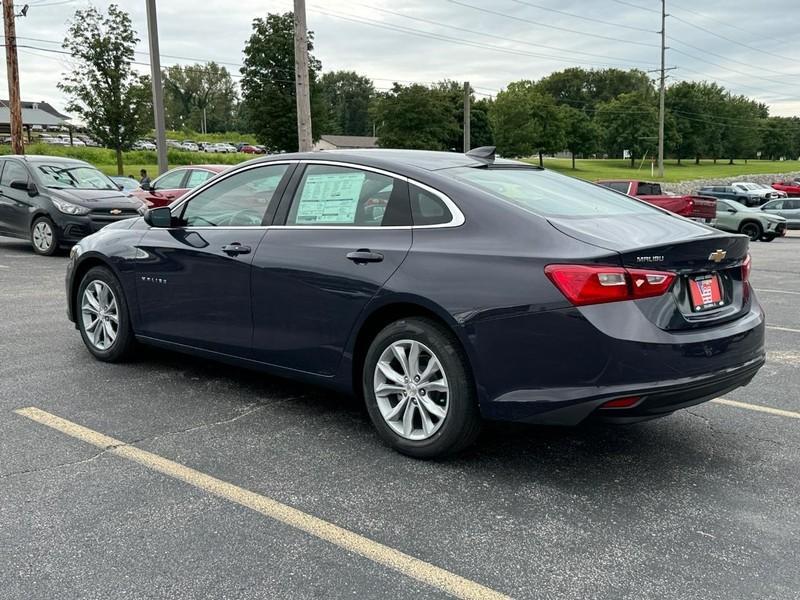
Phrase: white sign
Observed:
(330, 198)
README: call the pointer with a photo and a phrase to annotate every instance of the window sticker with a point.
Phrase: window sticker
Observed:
(330, 198)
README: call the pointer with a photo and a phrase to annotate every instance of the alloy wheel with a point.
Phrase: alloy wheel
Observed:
(411, 389)
(100, 314)
(42, 236)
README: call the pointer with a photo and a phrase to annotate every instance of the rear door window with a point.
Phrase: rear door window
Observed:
(196, 177)
(649, 189)
(428, 208)
(170, 181)
(329, 195)
(620, 186)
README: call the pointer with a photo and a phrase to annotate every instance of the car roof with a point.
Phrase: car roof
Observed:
(44, 158)
(428, 160)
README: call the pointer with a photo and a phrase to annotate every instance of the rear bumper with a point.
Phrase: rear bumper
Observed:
(559, 367)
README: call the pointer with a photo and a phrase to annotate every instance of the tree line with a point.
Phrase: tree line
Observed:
(586, 112)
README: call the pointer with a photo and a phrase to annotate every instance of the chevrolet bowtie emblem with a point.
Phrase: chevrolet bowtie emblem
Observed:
(115, 211)
(717, 255)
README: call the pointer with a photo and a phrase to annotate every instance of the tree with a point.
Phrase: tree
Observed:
(481, 133)
(580, 132)
(347, 96)
(268, 91)
(585, 89)
(103, 90)
(415, 116)
(526, 121)
(201, 97)
(741, 135)
(629, 122)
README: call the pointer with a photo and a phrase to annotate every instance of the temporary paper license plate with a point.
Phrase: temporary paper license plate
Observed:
(706, 292)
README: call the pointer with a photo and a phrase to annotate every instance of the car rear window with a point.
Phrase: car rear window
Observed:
(548, 194)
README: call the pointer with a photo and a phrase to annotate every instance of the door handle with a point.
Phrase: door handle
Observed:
(235, 249)
(364, 256)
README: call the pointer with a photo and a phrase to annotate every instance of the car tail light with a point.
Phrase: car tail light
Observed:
(588, 284)
(746, 270)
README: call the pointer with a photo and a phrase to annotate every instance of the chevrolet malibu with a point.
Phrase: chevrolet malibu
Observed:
(445, 289)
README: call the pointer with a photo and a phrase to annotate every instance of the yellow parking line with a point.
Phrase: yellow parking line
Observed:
(415, 568)
(783, 328)
(758, 408)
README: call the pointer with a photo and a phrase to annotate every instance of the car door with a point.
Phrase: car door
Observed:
(15, 205)
(791, 210)
(167, 188)
(727, 217)
(194, 178)
(340, 233)
(193, 279)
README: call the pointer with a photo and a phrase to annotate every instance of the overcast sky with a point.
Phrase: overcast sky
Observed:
(488, 43)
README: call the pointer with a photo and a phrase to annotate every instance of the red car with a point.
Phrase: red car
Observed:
(792, 188)
(175, 183)
(698, 208)
(251, 149)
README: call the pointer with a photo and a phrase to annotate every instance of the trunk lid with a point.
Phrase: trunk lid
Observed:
(694, 252)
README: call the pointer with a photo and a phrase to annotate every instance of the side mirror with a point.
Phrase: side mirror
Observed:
(159, 217)
(25, 186)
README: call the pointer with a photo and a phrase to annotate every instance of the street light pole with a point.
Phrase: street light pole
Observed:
(12, 67)
(467, 101)
(301, 79)
(158, 90)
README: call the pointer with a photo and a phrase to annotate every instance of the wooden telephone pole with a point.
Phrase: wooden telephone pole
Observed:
(467, 101)
(12, 66)
(301, 80)
(661, 91)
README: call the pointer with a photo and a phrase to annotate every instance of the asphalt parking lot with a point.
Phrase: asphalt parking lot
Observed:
(222, 483)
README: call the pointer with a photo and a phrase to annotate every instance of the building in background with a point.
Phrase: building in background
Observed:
(345, 142)
(35, 115)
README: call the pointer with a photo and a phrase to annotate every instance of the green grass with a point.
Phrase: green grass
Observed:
(620, 169)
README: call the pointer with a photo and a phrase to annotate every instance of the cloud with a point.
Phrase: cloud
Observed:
(464, 40)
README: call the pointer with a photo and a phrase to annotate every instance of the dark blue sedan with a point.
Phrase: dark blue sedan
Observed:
(444, 288)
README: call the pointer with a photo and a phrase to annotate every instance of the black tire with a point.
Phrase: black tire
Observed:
(462, 423)
(752, 230)
(47, 224)
(767, 237)
(123, 345)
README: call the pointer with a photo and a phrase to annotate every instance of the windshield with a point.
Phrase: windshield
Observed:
(548, 194)
(82, 177)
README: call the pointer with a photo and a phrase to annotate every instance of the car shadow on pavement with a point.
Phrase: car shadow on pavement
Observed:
(668, 451)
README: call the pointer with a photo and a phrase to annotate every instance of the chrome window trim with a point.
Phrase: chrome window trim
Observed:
(457, 217)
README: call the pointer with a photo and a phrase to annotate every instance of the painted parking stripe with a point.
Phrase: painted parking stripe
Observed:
(759, 408)
(405, 564)
(776, 328)
(777, 291)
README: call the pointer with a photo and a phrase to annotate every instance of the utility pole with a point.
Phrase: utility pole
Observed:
(12, 67)
(158, 90)
(466, 118)
(661, 92)
(301, 80)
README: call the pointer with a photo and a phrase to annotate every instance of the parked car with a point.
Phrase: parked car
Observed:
(755, 224)
(792, 188)
(175, 183)
(788, 208)
(698, 208)
(54, 201)
(446, 288)
(250, 149)
(144, 145)
(747, 193)
(174, 144)
(190, 146)
(209, 147)
(127, 184)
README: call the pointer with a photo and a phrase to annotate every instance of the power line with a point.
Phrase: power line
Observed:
(781, 83)
(732, 41)
(782, 73)
(582, 17)
(439, 37)
(639, 6)
(538, 24)
(499, 37)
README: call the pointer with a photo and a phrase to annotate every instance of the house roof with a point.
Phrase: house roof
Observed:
(34, 113)
(351, 141)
